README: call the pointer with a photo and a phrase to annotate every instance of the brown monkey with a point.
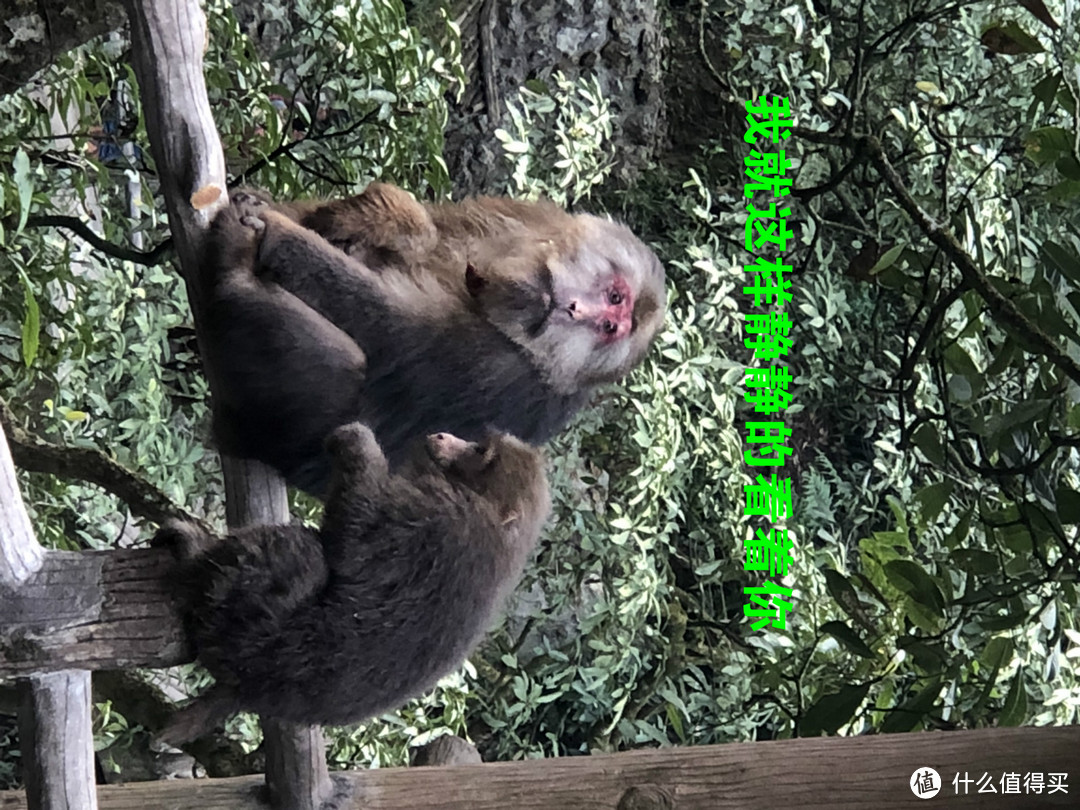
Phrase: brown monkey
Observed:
(488, 313)
(596, 286)
(392, 592)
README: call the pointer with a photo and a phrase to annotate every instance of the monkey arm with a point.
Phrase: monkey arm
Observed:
(344, 291)
(358, 460)
(382, 226)
(360, 477)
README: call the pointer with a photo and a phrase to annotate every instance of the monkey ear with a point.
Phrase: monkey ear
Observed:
(474, 282)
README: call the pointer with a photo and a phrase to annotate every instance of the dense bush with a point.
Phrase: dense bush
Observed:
(935, 432)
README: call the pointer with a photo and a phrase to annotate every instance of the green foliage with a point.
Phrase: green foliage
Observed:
(558, 139)
(351, 95)
(921, 397)
(937, 513)
(84, 350)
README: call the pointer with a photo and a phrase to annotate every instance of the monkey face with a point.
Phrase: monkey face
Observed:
(587, 310)
(609, 299)
(503, 470)
(454, 455)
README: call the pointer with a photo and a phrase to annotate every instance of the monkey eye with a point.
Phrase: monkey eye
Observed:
(615, 297)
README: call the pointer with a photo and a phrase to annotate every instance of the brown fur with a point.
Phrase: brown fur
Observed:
(391, 593)
(488, 313)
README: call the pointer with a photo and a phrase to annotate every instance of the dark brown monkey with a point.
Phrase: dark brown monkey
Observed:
(488, 313)
(392, 592)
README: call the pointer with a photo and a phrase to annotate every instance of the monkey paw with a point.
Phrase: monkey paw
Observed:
(356, 453)
(185, 540)
(353, 439)
(249, 200)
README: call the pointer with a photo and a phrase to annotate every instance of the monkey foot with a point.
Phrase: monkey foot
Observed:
(248, 205)
(185, 540)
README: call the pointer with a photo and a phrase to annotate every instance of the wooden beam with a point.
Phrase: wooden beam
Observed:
(92, 610)
(814, 774)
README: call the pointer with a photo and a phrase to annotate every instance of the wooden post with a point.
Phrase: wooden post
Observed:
(167, 42)
(56, 738)
(55, 732)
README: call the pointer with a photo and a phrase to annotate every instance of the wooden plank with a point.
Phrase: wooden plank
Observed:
(92, 610)
(815, 774)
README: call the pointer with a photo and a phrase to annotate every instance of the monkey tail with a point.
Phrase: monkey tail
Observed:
(201, 716)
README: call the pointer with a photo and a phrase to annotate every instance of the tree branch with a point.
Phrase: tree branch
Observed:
(80, 228)
(1001, 307)
(34, 454)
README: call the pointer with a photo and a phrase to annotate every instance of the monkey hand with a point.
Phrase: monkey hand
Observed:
(249, 200)
(353, 448)
(185, 540)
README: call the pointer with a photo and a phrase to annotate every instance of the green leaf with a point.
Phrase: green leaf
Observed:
(1064, 192)
(24, 181)
(675, 719)
(1025, 413)
(887, 260)
(1014, 712)
(1068, 167)
(848, 637)
(842, 591)
(1007, 622)
(928, 657)
(1061, 259)
(997, 653)
(1006, 357)
(1045, 90)
(1068, 504)
(910, 713)
(958, 360)
(927, 440)
(31, 325)
(932, 499)
(960, 532)
(975, 561)
(1046, 144)
(832, 710)
(913, 580)
(1010, 39)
